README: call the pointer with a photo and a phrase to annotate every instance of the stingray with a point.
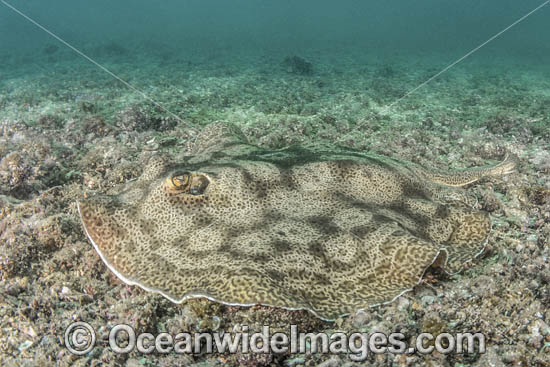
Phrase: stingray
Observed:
(328, 231)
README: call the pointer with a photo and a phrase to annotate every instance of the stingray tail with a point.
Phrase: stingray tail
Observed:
(471, 175)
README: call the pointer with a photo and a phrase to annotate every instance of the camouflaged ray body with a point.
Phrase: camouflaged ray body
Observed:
(330, 232)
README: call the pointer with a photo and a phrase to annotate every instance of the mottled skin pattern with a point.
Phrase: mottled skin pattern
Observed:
(330, 232)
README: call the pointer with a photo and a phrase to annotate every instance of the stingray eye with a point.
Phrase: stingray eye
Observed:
(181, 180)
(198, 185)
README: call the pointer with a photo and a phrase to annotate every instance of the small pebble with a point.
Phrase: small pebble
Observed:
(427, 300)
(360, 319)
(333, 362)
(490, 359)
(294, 362)
(133, 362)
(25, 345)
(403, 304)
(538, 329)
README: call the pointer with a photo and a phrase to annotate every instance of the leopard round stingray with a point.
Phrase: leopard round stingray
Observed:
(329, 232)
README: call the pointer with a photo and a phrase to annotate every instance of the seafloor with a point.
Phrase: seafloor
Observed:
(69, 130)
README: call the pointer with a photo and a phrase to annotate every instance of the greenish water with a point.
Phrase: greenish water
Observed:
(221, 57)
(326, 28)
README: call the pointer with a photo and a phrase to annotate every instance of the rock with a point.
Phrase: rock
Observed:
(538, 329)
(490, 358)
(133, 362)
(298, 65)
(294, 362)
(403, 304)
(541, 160)
(427, 300)
(361, 319)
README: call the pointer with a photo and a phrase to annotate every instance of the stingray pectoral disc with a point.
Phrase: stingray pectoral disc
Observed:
(329, 232)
